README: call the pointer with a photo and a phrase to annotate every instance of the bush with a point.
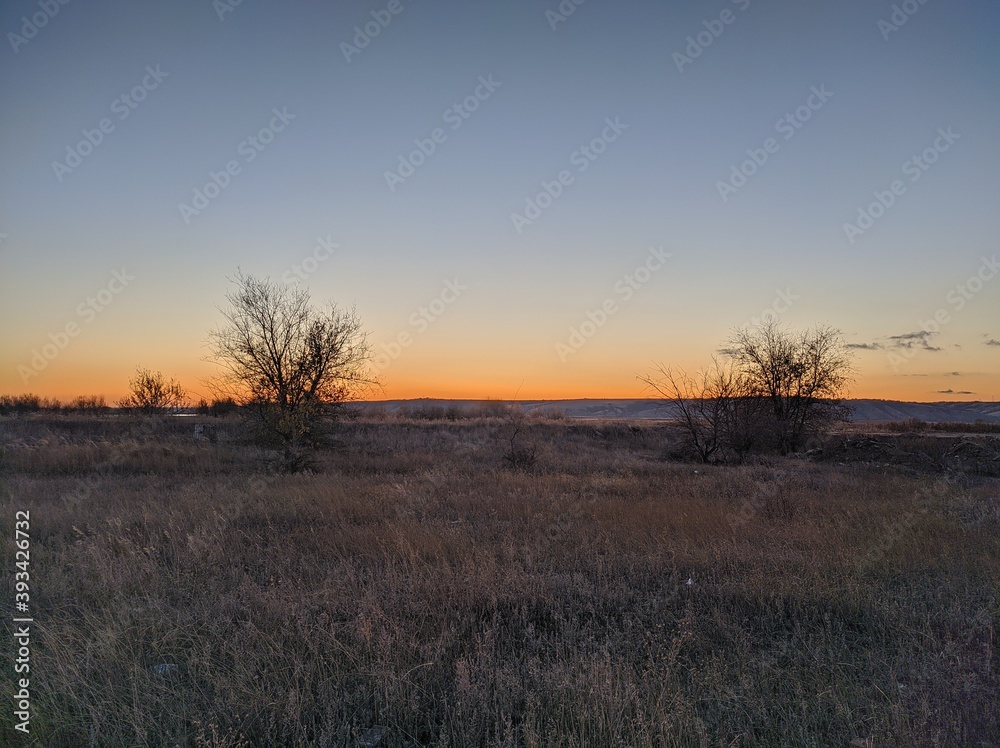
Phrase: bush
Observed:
(777, 390)
(150, 393)
(224, 407)
(18, 404)
(84, 404)
(493, 409)
(423, 412)
(520, 453)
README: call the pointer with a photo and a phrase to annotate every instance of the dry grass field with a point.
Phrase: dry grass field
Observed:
(413, 590)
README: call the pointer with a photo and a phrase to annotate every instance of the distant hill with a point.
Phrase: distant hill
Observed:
(862, 410)
(891, 410)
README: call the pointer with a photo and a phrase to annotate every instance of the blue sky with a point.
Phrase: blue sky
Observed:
(779, 236)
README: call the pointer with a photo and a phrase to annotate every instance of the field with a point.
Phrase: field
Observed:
(413, 589)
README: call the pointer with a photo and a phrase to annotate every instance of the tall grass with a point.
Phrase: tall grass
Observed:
(414, 591)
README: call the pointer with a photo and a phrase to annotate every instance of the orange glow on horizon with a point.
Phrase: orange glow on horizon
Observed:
(477, 374)
(439, 389)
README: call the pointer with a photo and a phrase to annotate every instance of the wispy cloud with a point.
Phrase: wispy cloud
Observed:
(921, 339)
(953, 392)
(992, 341)
(909, 340)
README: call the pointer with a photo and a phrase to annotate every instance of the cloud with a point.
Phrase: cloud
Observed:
(909, 340)
(953, 392)
(920, 339)
(992, 341)
(953, 373)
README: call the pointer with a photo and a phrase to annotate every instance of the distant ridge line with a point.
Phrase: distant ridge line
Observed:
(863, 410)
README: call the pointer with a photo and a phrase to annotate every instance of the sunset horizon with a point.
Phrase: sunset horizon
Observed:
(552, 223)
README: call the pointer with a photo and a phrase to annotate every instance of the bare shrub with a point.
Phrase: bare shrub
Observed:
(422, 412)
(83, 404)
(150, 393)
(803, 375)
(718, 408)
(493, 409)
(551, 413)
(520, 453)
(19, 404)
(776, 389)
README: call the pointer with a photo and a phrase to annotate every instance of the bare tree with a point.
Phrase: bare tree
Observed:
(740, 408)
(717, 407)
(151, 394)
(804, 375)
(288, 362)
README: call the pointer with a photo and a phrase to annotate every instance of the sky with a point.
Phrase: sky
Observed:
(538, 199)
